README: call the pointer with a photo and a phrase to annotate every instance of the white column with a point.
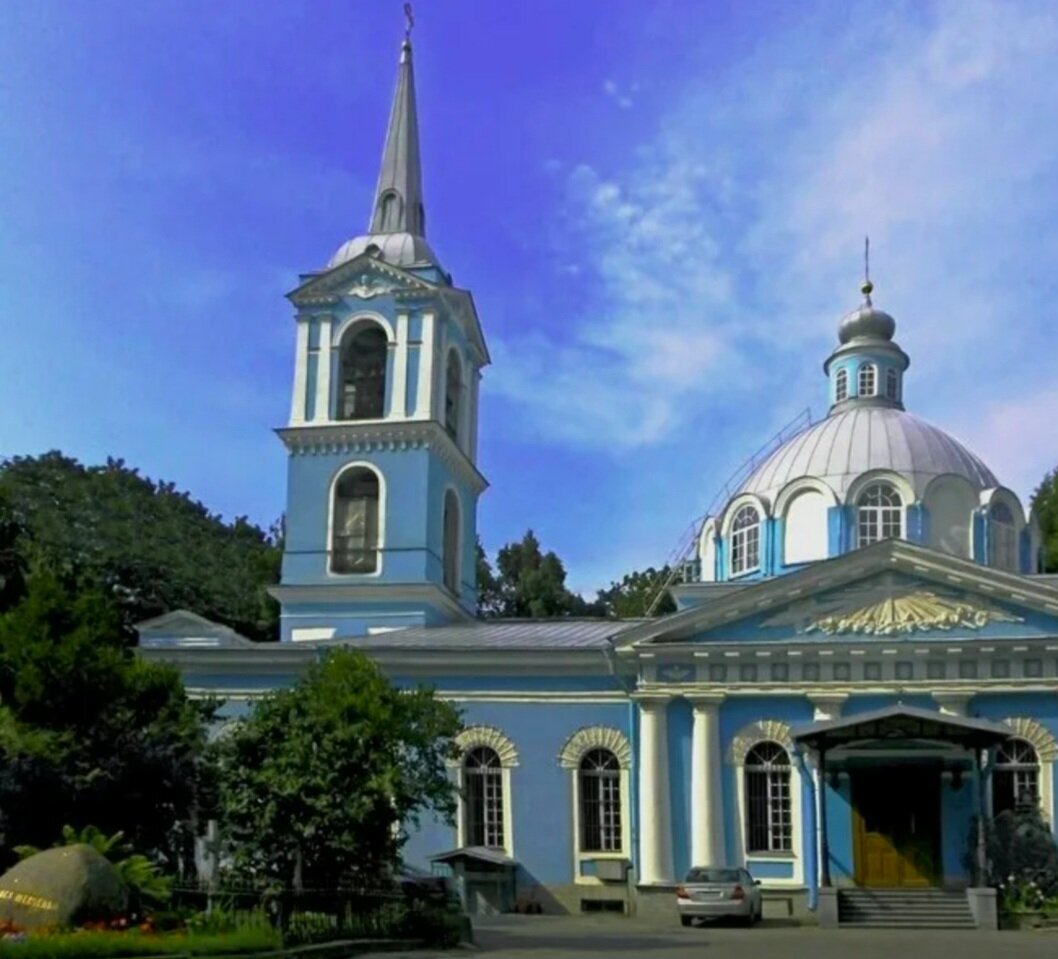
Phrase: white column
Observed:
(441, 379)
(707, 833)
(424, 391)
(655, 831)
(399, 406)
(472, 400)
(825, 707)
(301, 367)
(323, 372)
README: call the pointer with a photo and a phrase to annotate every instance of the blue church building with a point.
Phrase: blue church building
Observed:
(863, 659)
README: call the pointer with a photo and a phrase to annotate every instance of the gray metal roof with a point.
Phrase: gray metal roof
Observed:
(500, 634)
(398, 249)
(847, 444)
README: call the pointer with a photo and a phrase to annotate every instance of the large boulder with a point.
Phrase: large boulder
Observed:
(61, 887)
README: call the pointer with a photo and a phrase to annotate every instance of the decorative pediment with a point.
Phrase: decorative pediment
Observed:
(361, 278)
(889, 606)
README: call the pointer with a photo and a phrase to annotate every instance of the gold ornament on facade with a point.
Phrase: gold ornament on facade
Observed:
(911, 613)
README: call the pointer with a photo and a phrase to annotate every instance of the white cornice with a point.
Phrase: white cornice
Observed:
(356, 436)
(338, 592)
(328, 288)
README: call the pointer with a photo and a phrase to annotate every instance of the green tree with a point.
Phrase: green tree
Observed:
(144, 543)
(89, 733)
(315, 780)
(1045, 509)
(632, 596)
(12, 562)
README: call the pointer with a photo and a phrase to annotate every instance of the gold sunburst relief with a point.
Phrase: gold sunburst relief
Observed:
(921, 611)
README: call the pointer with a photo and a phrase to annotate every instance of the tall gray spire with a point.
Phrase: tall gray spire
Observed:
(398, 197)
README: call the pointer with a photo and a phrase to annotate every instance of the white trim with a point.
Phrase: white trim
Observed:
(655, 834)
(380, 545)
(399, 398)
(362, 317)
(1044, 742)
(438, 392)
(901, 485)
(472, 438)
(799, 485)
(587, 738)
(732, 508)
(580, 855)
(707, 831)
(298, 395)
(324, 361)
(489, 736)
(424, 386)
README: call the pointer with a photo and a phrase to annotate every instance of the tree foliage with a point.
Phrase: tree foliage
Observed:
(1045, 509)
(315, 780)
(89, 733)
(12, 562)
(144, 543)
(633, 595)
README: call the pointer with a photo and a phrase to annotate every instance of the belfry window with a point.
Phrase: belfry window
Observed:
(600, 802)
(363, 385)
(1016, 777)
(879, 513)
(745, 541)
(1002, 538)
(867, 380)
(769, 822)
(892, 384)
(483, 798)
(453, 395)
(450, 546)
(354, 526)
(841, 386)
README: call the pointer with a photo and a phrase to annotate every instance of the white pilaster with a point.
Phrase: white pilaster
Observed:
(424, 390)
(323, 372)
(472, 432)
(655, 831)
(826, 706)
(301, 368)
(399, 406)
(707, 837)
(441, 379)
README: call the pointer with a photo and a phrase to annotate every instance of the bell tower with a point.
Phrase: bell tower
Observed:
(382, 478)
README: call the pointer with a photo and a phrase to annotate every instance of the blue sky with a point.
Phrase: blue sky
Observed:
(660, 209)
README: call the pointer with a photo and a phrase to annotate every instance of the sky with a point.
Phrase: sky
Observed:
(659, 207)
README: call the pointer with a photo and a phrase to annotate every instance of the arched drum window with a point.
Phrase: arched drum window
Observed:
(354, 526)
(1016, 777)
(363, 385)
(879, 514)
(841, 386)
(483, 798)
(769, 821)
(867, 385)
(600, 802)
(745, 541)
(1002, 538)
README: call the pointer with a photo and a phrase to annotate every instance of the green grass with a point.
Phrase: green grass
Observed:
(119, 945)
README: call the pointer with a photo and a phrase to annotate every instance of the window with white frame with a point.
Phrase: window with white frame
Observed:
(879, 514)
(483, 798)
(745, 541)
(1002, 538)
(1015, 777)
(892, 384)
(599, 780)
(363, 375)
(769, 821)
(354, 522)
(866, 380)
(841, 386)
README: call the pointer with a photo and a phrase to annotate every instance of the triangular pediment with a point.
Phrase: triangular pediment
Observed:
(362, 278)
(889, 591)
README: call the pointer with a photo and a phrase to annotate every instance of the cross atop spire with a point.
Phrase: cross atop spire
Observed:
(398, 204)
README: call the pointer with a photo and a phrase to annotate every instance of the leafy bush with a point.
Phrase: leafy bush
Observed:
(1022, 853)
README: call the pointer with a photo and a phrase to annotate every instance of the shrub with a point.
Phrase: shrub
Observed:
(117, 945)
(1022, 852)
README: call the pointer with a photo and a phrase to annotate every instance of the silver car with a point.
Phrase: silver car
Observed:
(713, 892)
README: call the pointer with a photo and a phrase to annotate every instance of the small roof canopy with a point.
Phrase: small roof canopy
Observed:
(477, 854)
(902, 722)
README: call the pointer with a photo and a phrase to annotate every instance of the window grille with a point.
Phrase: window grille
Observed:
(483, 797)
(1003, 538)
(867, 380)
(600, 802)
(363, 387)
(1016, 777)
(768, 812)
(891, 384)
(879, 514)
(841, 386)
(745, 541)
(354, 527)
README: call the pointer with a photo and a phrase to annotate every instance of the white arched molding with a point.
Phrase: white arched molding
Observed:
(991, 497)
(804, 506)
(707, 551)
(569, 757)
(1046, 745)
(908, 495)
(362, 318)
(744, 499)
(380, 545)
(595, 737)
(471, 738)
(775, 731)
(950, 501)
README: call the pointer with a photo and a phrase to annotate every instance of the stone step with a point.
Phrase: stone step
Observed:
(909, 924)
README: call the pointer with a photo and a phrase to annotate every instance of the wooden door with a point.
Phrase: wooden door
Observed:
(896, 823)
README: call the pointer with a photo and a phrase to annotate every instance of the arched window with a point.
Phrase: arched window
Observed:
(600, 802)
(841, 386)
(1016, 777)
(769, 823)
(354, 525)
(363, 388)
(879, 514)
(450, 546)
(453, 395)
(483, 798)
(892, 384)
(867, 380)
(745, 541)
(1002, 538)
(389, 212)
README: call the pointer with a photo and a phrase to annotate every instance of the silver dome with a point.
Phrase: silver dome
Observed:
(397, 249)
(867, 322)
(845, 445)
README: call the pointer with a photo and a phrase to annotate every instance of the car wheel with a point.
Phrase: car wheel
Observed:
(687, 920)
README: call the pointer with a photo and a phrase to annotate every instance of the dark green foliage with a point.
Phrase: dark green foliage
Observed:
(1045, 509)
(114, 945)
(1021, 849)
(632, 596)
(12, 562)
(89, 733)
(146, 544)
(313, 781)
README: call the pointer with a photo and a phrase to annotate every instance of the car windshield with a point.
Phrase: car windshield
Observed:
(713, 875)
